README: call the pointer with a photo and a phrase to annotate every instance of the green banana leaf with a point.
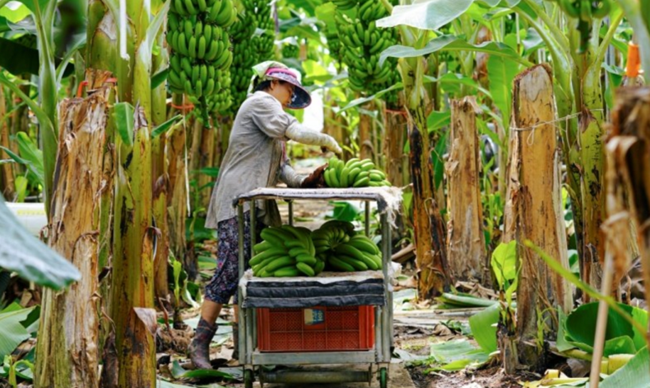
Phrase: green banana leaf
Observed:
(30, 156)
(200, 231)
(437, 158)
(166, 126)
(502, 73)
(483, 325)
(31, 321)
(504, 263)
(179, 373)
(562, 343)
(620, 337)
(166, 384)
(456, 355)
(12, 331)
(24, 254)
(18, 59)
(344, 211)
(123, 115)
(437, 120)
(452, 43)
(429, 15)
(451, 301)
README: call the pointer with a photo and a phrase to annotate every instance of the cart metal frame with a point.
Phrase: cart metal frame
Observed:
(380, 356)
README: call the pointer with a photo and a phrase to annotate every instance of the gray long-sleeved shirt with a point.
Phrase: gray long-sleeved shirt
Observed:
(255, 158)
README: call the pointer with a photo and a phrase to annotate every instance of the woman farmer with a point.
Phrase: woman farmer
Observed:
(255, 158)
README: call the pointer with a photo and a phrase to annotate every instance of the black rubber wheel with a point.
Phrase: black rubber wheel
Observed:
(249, 378)
(383, 378)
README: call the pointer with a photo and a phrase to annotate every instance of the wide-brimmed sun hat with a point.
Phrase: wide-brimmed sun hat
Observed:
(274, 70)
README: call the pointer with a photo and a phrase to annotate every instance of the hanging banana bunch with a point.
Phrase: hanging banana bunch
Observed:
(244, 57)
(334, 44)
(249, 49)
(261, 11)
(362, 43)
(201, 52)
(585, 11)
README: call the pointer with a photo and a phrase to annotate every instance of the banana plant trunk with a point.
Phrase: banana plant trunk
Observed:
(395, 161)
(631, 128)
(129, 353)
(160, 179)
(394, 140)
(365, 132)
(133, 272)
(592, 152)
(7, 183)
(100, 59)
(223, 138)
(533, 211)
(67, 351)
(466, 254)
(177, 199)
(430, 236)
(195, 149)
(428, 223)
(207, 157)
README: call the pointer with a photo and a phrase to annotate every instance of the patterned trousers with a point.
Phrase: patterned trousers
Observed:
(224, 282)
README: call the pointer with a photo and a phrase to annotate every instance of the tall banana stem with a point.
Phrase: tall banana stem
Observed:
(429, 226)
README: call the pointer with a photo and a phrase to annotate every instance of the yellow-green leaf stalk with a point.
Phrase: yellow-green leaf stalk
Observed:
(592, 153)
(160, 179)
(133, 260)
(48, 89)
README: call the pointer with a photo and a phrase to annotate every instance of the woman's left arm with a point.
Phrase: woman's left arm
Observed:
(289, 176)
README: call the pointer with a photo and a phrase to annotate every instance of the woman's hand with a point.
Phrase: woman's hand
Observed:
(316, 179)
(330, 143)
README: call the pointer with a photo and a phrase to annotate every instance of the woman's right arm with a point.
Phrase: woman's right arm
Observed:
(268, 115)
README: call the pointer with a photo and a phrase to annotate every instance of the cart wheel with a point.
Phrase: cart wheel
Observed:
(383, 378)
(249, 378)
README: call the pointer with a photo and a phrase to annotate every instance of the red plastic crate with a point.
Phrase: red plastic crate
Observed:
(342, 328)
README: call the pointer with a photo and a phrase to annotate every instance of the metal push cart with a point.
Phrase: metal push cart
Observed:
(377, 358)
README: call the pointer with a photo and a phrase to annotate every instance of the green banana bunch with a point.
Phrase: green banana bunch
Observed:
(343, 250)
(244, 58)
(221, 100)
(290, 50)
(362, 43)
(201, 53)
(284, 252)
(263, 43)
(248, 49)
(354, 173)
(370, 10)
